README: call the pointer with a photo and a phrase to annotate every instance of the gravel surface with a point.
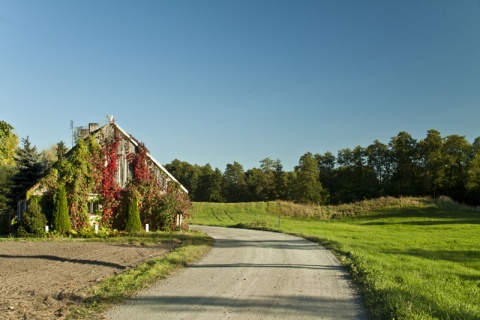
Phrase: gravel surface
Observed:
(252, 275)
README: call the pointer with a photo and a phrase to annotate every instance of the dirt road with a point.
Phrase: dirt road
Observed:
(252, 275)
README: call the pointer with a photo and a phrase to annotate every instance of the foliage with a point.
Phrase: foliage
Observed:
(61, 219)
(8, 144)
(109, 187)
(473, 180)
(6, 211)
(132, 221)
(33, 221)
(234, 183)
(89, 232)
(433, 166)
(82, 177)
(30, 169)
(61, 150)
(307, 187)
(174, 202)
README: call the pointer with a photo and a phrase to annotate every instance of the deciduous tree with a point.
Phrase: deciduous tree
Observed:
(234, 184)
(404, 181)
(307, 187)
(8, 144)
(432, 163)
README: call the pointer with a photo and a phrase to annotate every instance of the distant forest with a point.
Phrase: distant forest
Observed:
(434, 166)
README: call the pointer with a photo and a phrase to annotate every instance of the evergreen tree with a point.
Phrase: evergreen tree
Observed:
(61, 150)
(281, 181)
(209, 185)
(132, 219)
(355, 180)
(326, 168)
(34, 221)
(61, 219)
(215, 188)
(30, 168)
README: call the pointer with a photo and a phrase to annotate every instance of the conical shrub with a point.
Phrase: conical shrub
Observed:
(61, 219)
(132, 219)
(34, 221)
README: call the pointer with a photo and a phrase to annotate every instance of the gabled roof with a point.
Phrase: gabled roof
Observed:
(134, 142)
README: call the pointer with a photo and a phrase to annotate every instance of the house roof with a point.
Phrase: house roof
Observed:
(132, 140)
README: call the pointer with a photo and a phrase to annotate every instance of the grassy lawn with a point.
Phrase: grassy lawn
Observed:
(412, 258)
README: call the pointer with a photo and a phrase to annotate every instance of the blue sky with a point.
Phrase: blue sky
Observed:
(222, 81)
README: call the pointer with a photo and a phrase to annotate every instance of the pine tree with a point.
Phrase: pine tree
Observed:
(29, 169)
(132, 219)
(61, 219)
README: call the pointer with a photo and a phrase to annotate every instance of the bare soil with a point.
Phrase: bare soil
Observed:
(44, 280)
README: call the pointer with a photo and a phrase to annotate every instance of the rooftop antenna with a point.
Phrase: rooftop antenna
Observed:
(71, 128)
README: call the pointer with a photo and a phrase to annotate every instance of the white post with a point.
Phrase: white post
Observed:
(46, 229)
(96, 228)
(147, 227)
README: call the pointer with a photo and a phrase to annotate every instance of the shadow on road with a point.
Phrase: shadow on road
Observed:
(280, 266)
(301, 306)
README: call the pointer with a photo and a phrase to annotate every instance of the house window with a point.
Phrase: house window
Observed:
(94, 206)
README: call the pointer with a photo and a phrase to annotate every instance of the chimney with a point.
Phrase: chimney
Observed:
(92, 127)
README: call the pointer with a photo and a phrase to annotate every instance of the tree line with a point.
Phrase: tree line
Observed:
(432, 166)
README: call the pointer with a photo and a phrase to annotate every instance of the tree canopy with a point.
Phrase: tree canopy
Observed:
(403, 166)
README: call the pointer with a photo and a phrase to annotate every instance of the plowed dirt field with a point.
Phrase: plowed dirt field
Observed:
(44, 280)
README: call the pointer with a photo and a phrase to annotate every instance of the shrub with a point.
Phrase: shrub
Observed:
(34, 221)
(132, 220)
(61, 220)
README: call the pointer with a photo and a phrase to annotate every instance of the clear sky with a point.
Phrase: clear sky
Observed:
(223, 81)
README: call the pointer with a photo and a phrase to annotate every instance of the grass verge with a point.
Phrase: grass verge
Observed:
(412, 258)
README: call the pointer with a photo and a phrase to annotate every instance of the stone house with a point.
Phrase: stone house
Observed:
(127, 144)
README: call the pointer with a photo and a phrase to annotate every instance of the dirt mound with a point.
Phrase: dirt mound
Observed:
(42, 280)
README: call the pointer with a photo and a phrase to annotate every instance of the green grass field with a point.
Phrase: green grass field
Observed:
(411, 258)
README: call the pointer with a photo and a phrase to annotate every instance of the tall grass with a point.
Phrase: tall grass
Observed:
(413, 258)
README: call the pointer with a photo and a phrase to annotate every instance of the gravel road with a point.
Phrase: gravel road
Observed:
(252, 275)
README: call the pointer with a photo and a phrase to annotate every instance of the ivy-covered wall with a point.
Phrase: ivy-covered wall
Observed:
(110, 166)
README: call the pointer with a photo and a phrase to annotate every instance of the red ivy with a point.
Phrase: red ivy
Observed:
(139, 163)
(110, 188)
